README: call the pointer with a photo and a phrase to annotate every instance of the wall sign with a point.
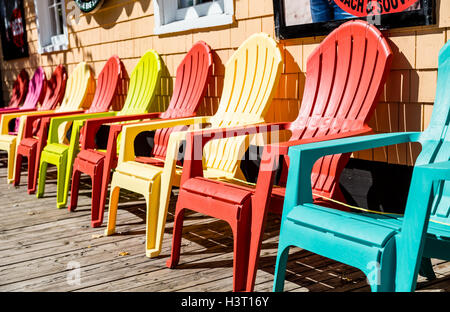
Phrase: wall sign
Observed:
(308, 18)
(13, 29)
(89, 6)
(366, 7)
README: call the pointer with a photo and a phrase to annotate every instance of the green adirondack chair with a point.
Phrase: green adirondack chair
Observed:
(390, 249)
(144, 82)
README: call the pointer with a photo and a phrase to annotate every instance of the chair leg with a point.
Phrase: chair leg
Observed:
(74, 189)
(31, 171)
(11, 158)
(112, 212)
(241, 251)
(280, 267)
(96, 214)
(18, 167)
(384, 282)
(152, 248)
(176, 238)
(41, 180)
(61, 199)
(426, 269)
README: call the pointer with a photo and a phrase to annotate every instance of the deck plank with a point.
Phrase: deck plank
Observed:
(37, 241)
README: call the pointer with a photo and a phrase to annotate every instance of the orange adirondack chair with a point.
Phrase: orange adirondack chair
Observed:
(345, 76)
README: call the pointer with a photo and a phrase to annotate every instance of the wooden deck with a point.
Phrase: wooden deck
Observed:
(38, 241)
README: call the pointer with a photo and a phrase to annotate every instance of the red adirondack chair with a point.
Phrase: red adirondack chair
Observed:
(18, 92)
(31, 146)
(190, 86)
(345, 76)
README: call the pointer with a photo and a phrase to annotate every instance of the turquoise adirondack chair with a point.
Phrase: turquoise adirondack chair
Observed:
(390, 249)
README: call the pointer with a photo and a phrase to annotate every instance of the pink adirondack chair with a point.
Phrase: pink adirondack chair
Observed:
(35, 95)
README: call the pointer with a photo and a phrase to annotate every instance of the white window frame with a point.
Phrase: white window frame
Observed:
(170, 19)
(46, 42)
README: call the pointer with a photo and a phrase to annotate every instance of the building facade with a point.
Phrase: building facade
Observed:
(130, 27)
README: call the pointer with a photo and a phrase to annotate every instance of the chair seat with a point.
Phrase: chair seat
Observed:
(29, 142)
(142, 171)
(150, 161)
(91, 156)
(436, 230)
(370, 230)
(220, 191)
(7, 138)
(56, 148)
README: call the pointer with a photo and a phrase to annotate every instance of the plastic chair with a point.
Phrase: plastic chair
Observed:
(54, 94)
(61, 153)
(388, 248)
(345, 75)
(8, 139)
(78, 96)
(37, 87)
(191, 80)
(18, 92)
(251, 77)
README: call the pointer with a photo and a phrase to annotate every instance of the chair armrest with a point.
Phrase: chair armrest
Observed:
(92, 126)
(197, 139)
(28, 132)
(6, 118)
(302, 158)
(15, 110)
(436, 171)
(57, 121)
(130, 132)
(353, 144)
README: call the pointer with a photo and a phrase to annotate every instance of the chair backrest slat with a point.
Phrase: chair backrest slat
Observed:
(192, 78)
(19, 89)
(36, 89)
(80, 88)
(144, 81)
(251, 78)
(345, 76)
(107, 83)
(56, 87)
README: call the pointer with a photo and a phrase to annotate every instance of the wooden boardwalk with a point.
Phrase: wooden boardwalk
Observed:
(39, 242)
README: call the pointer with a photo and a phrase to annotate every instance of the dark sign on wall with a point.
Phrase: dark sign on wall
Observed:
(307, 18)
(13, 29)
(89, 6)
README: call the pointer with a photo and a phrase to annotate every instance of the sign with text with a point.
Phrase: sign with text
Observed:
(368, 7)
(307, 18)
(13, 29)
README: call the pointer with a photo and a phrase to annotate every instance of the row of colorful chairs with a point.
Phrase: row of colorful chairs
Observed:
(345, 76)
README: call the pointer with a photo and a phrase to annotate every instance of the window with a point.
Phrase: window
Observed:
(51, 23)
(180, 15)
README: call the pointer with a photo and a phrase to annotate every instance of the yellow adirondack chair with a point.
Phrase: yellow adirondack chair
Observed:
(251, 77)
